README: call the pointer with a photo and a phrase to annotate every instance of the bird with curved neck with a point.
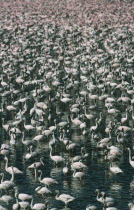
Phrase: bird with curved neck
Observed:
(107, 201)
(64, 198)
(47, 181)
(9, 169)
(130, 160)
(7, 184)
(39, 206)
(131, 206)
(56, 158)
(98, 197)
(78, 174)
(20, 205)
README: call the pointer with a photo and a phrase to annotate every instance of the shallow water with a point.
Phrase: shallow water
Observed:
(97, 175)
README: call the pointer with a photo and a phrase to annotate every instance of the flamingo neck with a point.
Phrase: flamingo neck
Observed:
(12, 178)
(23, 138)
(41, 161)
(74, 173)
(2, 178)
(129, 155)
(51, 151)
(31, 204)
(6, 166)
(57, 196)
(31, 150)
(127, 114)
(98, 195)
(85, 111)
(35, 172)
(16, 196)
(40, 176)
(109, 134)
(96, 124)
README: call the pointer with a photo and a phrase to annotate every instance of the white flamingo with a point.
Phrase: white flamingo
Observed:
(64, 198)
(130, 160)
(115, 169)
(56, 158)
(47, 181)
(11, 168)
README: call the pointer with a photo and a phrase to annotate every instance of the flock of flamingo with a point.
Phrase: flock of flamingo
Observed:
(66, 99)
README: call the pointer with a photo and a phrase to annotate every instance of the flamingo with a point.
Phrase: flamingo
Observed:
(37, 164)
(47, 181)
(115, 169)
(22, 196)
(78, 174)
(43, 190)
(131, 206)
(28, 127)
(64, 198)
(6, 199)
(78, 165)
(108, 201)
(7, 184)
(91, 207)
(22, 204)
(56, 158)
(11, 168)
(98, 198)
(130, 160)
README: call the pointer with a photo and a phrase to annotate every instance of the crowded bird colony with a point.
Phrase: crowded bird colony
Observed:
(66, 104)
